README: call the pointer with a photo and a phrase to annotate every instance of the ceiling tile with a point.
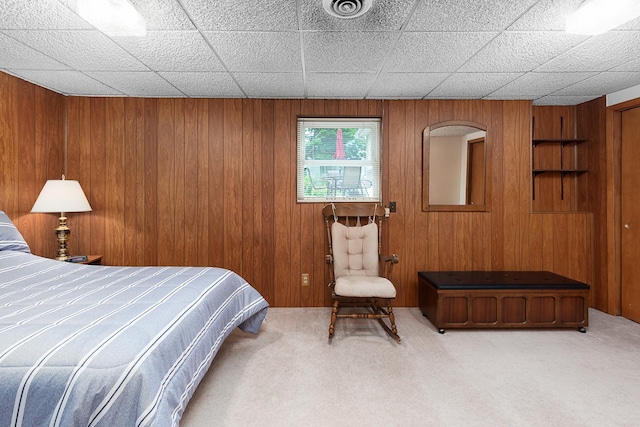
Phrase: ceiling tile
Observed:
(520, 51)
(546, 15)
(435, 52)
(551, 15)
(158, 14)
(465, 15)
(163, 15)
(172, 51)
(339, 85)
(39, 15)
(562, 100)
(602, 84)
(14, 54)
(353, 51)
(143, 84)
(535, 85)
(472, 85)
(257, 51)
(67, 82)
(632, 65)
(82, 50)
(271, 85)
(384, 15)
(597, 53)
(405, 85)
(234, 15)
(633, 25)
(204, 85)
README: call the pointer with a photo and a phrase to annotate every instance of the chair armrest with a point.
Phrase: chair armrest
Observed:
(393, 258)
(332, 280)
(387, 266)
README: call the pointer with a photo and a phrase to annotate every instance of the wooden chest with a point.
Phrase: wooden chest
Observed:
(502, 299)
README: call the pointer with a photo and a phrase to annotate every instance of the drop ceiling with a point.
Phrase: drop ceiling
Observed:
(400, 49)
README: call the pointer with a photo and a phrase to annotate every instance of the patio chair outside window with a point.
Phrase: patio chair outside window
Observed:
(316, 185)
(352, 184)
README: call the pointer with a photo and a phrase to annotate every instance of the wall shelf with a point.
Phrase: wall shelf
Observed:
(562, 170)
(562, 141)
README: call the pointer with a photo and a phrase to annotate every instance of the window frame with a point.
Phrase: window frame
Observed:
(371, 166)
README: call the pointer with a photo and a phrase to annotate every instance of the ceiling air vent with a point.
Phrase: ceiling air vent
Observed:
(346, 8)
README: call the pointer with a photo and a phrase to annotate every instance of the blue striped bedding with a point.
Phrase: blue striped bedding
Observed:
(84, 345)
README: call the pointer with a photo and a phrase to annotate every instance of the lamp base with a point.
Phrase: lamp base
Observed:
(62, 232)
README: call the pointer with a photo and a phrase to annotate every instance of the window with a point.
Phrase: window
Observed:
(338, 160)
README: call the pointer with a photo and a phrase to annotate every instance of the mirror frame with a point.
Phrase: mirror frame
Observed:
(426, 207)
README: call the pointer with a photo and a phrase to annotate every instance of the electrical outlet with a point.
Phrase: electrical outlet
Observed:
(392, 206)
(305, 279)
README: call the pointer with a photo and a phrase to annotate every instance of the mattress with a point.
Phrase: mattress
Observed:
(86, 345)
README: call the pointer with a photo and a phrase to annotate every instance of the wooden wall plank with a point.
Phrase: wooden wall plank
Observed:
(232, 184)
(129, 189)
(282, 176)
(79, 168)
(9, 143)
(180, 182)
(248, 191)
(267, 194)
(202, 183)
(137, 255)
(114, 180)
(97, 185)
(511, 196)
(150, 182)
(216, 170)
(28, 188)
(496, 135)
(166, 190)
(191, 171)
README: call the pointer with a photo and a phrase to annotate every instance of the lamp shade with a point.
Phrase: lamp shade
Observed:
(64, 195)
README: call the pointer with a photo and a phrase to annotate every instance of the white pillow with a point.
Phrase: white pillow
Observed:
(10, 237)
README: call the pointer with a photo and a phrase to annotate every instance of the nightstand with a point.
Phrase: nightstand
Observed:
(92, 259)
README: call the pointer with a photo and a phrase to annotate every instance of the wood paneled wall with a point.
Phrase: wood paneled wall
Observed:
(31, 151)
(212, 182)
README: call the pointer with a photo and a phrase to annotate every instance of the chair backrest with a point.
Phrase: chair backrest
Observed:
(312, 182)
(354, 232)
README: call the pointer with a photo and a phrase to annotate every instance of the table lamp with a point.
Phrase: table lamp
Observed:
(62, 196)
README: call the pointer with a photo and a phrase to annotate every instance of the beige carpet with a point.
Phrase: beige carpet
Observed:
(289, 375)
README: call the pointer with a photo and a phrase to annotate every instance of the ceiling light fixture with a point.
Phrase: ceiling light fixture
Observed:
(346, 9)
(113, 17)
(599, 16)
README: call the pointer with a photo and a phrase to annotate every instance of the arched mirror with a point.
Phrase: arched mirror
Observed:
(455, 175)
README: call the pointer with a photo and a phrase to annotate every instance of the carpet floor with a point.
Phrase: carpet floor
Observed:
(289, 375)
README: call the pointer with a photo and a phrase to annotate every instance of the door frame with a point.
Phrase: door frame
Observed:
(614, 203)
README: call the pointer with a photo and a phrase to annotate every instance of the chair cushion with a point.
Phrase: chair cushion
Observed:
(364, 286)
(355, 249)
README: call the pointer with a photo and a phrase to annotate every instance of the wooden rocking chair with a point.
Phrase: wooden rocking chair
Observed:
(354, 232)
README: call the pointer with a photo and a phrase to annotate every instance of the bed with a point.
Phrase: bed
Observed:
(87, 345)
